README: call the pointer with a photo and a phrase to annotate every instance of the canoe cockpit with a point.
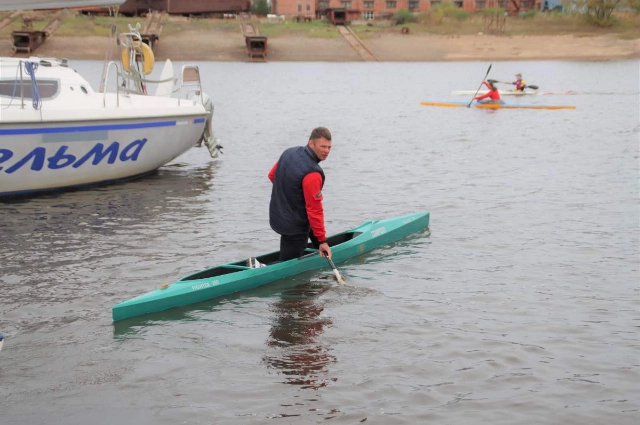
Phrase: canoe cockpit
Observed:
(266, 259)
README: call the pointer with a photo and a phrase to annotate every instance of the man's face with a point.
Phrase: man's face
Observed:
(321, 147)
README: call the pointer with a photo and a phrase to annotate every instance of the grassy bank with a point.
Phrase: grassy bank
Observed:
(626, 26)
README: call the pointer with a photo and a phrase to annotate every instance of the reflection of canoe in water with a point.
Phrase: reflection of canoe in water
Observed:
(496, 105)
(559, 92)
(234, 277)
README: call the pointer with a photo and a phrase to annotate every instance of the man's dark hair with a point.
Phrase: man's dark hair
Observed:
(320, 132)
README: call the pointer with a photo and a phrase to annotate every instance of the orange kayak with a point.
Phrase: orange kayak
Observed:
(496, 105)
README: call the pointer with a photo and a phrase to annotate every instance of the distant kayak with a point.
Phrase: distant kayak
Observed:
(502, 92)
(496, 105)
(513, 92)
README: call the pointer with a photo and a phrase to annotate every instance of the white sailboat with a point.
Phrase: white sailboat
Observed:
(57, 132)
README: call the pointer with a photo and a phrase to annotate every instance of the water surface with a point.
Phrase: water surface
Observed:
(519, 307)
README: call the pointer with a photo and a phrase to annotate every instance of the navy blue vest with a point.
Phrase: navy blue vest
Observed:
(287, 212)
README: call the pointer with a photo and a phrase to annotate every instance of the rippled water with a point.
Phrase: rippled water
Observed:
(520, 307)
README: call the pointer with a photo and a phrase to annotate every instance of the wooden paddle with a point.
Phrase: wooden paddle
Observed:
(485, 77)
(336, 273)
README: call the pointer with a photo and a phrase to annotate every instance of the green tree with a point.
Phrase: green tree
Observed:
(260, 7)
(404, 16)
(598, 11)
(448, 10)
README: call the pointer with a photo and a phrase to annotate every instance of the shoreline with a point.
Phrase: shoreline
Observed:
(222, 46)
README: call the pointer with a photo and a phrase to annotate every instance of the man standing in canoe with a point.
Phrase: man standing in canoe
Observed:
(492, 96)
(295, 211)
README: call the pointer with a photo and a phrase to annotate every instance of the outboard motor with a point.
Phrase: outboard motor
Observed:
(210, 141)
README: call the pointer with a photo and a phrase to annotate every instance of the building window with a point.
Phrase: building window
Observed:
(414, 5)
(346, 4)
(458, 4)
(368, 5)
(503, 4)
(391, 4)
(481, 4)
(299, 8)
(308, 7)
(367, 14)
(323, 4)
(435, 3)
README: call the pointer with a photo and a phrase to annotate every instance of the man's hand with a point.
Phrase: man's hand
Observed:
(325, 250)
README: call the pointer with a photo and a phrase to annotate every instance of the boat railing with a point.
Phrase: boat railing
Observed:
(20, 65)
(191, 82)
(106, 79)
(131, 79)
(136, 81)
(134, 51)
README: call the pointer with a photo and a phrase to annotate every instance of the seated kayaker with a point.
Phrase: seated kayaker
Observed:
(519, 83)
(492, 96)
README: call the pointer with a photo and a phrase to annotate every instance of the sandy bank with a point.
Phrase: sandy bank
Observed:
(217, 45)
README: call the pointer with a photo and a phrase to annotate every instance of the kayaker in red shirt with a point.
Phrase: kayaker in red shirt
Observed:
(295, 210)
(492, 96)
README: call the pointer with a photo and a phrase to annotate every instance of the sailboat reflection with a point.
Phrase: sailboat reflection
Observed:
(294, 334)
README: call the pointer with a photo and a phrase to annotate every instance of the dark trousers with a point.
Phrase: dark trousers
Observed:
(293, 246)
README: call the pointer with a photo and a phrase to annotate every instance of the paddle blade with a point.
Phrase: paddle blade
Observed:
(532, 87)
(336, 273)
(485, 77)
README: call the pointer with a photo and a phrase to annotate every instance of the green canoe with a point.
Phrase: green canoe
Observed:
(235, 277)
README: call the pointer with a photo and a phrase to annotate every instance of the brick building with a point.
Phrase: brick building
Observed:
(292, 8)
(383, 9)
(184, 7)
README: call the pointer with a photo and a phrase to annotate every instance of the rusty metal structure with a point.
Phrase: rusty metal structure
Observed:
(9, 19)
(152, 29)
(357, 44)
(337, 16)
(27, 40)
(184, 7)
(256, 44)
